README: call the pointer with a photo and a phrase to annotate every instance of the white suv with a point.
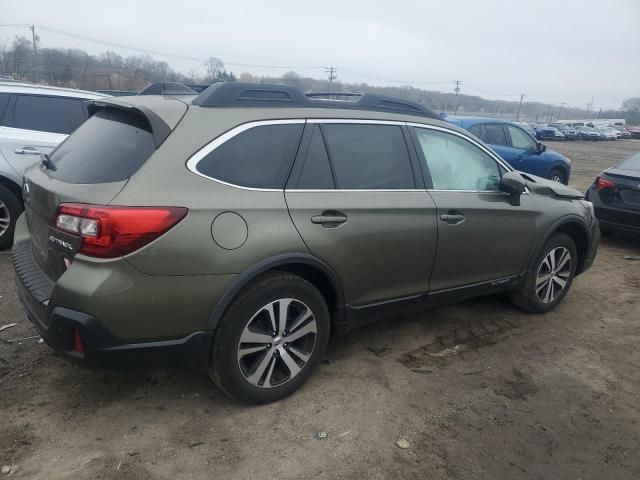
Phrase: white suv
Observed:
(34, 119)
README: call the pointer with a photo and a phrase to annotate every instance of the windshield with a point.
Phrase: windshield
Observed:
(109, 147)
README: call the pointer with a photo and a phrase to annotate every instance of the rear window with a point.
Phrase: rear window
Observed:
(48, 114)
(631, 163)
(109, 147)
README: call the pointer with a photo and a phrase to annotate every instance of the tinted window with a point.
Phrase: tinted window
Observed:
(456, 164)
(494, 135)
(478, 131)
(316, 171)
(109, 147)
(368, 156)
(631, 163)
(259, 157)
(48, 114)
(4, 100)
(519, 139)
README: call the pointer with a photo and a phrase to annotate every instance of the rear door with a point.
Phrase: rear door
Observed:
(36, 124)
(482, 237)
(91, 166)
(359, 204)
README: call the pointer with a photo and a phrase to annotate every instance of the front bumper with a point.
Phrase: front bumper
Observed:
(59, 326)
(592, 248)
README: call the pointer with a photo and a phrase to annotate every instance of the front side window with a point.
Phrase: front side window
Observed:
(368, 156)
(259, 157)
(48, 114)
(457, 164)
(494, 135)
(519, 139)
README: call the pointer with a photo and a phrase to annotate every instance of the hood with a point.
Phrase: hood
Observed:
(549, 188)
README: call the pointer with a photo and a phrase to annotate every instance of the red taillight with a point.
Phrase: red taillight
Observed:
(78, 346)
(604, 183)
(111, 231)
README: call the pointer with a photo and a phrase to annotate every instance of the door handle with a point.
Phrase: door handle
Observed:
(27, 151)
(329, 219)
(453, 218)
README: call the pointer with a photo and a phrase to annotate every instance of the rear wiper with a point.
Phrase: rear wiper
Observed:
(46, 161)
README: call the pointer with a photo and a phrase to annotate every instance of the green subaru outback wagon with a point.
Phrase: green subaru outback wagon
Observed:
(236, 230)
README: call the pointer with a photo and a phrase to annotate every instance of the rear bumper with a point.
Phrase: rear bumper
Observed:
(58, 327)
(612, 218)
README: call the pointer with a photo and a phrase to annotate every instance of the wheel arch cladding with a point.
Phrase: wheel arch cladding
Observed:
(580, 237)
(12, 187)
(305, 266)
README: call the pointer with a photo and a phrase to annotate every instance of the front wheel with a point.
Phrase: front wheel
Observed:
(547, 283)
(271, 339)
(558, 175)
(10, 209)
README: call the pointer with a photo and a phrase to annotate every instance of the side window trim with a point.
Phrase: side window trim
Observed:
(192, 162)
(428, 180)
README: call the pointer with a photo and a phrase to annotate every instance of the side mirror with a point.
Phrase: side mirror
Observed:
(514, 184)
(541, 147)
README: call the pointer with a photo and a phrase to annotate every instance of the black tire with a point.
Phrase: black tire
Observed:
(556, 172)
(526, 297)
(13, 207)
(225, 364)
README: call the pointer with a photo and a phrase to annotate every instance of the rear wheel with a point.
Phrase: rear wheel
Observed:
(10, 209)
(558, 175)
(271, 339)
(549, 280)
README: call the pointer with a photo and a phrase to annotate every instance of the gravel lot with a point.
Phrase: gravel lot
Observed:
(479, 390)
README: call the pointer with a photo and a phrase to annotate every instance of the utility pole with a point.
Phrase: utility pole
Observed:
(457, 84)
(34, 37)
(562, 104)
(333, 74)
(589, 106)
(599, 112)
(519, 106)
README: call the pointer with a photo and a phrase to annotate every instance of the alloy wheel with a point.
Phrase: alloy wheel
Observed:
(277, 343)
(556, 178)
(5, 218)
(553, 274)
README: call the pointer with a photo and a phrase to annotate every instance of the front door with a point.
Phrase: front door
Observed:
(482, 237)
(356, 199)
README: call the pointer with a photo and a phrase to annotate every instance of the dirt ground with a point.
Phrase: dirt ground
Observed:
(479, 390)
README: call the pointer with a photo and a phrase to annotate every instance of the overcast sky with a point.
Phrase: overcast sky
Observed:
(553, 51)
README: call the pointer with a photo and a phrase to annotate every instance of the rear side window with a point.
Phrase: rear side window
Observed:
(368, 156)
(109, 147)
(48, 114)
(4, 100)
(259, 157)
(316, 171)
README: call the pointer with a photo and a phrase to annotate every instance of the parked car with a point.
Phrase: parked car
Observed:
(544, 132)
(607, 133)
(167, 88)
(33, 120)
(557, 134)
(588, 133)
(634, 131)
(239, 229)
(522, 151)
(623, 132)
(615, 194)
(568, 132)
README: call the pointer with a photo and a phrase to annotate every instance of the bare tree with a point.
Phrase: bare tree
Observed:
(291, 78)
(213, 67)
